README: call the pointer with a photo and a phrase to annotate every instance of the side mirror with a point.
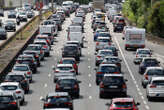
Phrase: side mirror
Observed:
(53, 67)
(123, 38)
(95, 69)
(107, 104)
(42, 99)
(18, 97)
(126, 80)
(137, 103)
(95, 53)
(79, 81)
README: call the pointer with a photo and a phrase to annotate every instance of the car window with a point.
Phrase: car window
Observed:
(106, 53)
(67, 81)
(6, 98)
(57, 99)
(70, 48)
(103, 40)
(108, 69)
(143, 52)
(113, 80)
(65, 68)
(33, 48)
(112, 59)
(155, 72)
(15, 77)
(159, 82)
(68, 62)
(8, 87)
(123, 104)
(20, 68)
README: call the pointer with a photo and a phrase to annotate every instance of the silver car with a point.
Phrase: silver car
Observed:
(151, 72)
(155, 88)
(101, 42)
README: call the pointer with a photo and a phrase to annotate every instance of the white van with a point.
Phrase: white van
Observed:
(48, 29)
(76, 36)
(134, 37)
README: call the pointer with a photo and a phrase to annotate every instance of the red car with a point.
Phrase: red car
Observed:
(70, 60)
(123, 104)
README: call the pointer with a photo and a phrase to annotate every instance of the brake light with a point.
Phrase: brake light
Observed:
(99, 72)
(37, 56)
(13, 103)
(47, 104)
(72, 71)
(41, 51)
(99, 56)
(101, 85)
(18, 92)
(152, 86)
(56, 71)
(97, 43)
(45, 46)
(116, 72)
(57, 87)
(61, 62)
(28, 73)
(68, 103)
(32, 61)
(136, 55)
(76, 86)
(146, 76)
(124, 86)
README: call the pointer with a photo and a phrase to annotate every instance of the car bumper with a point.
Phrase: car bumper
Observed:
(113, 91)
(156, 94)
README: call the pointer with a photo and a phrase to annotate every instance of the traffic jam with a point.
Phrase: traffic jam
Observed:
(108, 62)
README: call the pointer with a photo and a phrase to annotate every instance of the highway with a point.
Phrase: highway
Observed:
(89, 91)
(9, 34)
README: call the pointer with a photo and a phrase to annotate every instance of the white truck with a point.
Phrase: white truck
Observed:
(134, 37)
(76, 36)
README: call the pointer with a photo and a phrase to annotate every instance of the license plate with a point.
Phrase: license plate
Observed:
(112, 86)
(67, 87)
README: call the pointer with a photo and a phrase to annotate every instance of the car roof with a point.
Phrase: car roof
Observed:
(68, 58)
(70, 45)
(65, 65)
(9, 83)
(157, 78)
(150, 68)
(108, 65)
(58, 94)
(122, 100)
(143, 49)
(117, 75)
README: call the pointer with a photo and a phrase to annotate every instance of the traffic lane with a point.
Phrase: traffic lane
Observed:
(9, 34)
(43, 79)
(129, 56)
(89, 90)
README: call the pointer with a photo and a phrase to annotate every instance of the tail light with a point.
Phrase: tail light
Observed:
(13, 103)
(136, 55)
(57, 87)
(152, 86)
(76, 86)
(101, 85)
(28, 73)
(68, 103)
(61, 62)
(116, 72)
(124, 86)
(142, 46)
(109, 43)
(32, 61)
(47, 104)
(18, 92)
(72, 71)
(45, 46)
(37, 56)
(97, 43)
(146, 76)
(99, 72)
(56, 71)
(41, 51)
(98, 56)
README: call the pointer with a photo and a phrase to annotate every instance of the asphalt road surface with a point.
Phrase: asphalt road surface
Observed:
(9, 34)
(89, 92)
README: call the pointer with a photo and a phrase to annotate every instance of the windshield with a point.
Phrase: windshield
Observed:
(113, 80)
(58, 99)
(67, 81)
(159, 82)
(143, 52)
(106, 53)
(33, 48)
(20, 68)
(65, 68)
(68, 62)
(9, 87)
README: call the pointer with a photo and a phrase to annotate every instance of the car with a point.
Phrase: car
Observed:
(101, 42)
(45, 46)
(76, 36)
(63, 74)
(10, 25)
(9, 101)
(3, 33)
(123, 104)
(68, 84)
(29, 60)
(58, 21)
(57, 100)
(118, 27)
(148, 62)
(23, 16)
(96, 33)
(30, 14)
(38, 49)
(113, 48)
(45, 37)
(19, 77)
(64, 68)
(113, 84)
(102, 34)
(71, 50)
(13, 87)
(141, 53)
(155, 88)
(23, 68)
(76, 43)
(112, 60)
(105, 69)
(151, 72)
(34, 53)
(101, 55)
(2, 12)
(70, 60)
(12, 14)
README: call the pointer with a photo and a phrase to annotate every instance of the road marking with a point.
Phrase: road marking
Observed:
(89, 75)
(41, 97)
(89, 67)
(90, 85)
(90, 97)
(49, 75)
(89, 59)
(131, 74)
(88, 53)
(45, 85)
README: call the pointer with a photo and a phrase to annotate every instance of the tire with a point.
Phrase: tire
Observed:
(22, 102)
(101, 96)
(149, 98)
(126, 48)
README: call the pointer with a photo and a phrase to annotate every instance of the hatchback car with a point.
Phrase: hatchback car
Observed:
(101, 55)
(58, 100)
(106, 69)
(63, 74)
(112, 84)
(68, 84)
(155, 88)
(10, 25)
(9, 101)
(123, 104)
(101, 42)
(148, 62)
(12, 14)
(64, 68)
(13, 87)
(113, 48)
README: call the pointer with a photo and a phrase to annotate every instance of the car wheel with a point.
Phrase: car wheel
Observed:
(101, 96)
(143, 85)
(97, 83)
(126, 48)
(149, 98)
(22, 102)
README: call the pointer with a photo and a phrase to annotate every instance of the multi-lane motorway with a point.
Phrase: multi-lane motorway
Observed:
(89, 91)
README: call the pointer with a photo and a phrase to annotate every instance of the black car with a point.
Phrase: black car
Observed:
(10, 25)
(148, 62)
(58, 100)
(71, 50)
(12, 14)
(19, 77)
(8, 101)
(26, 59)
(113, 48)
(3, 33)
(30, 14)
(113, 84)
(118, 27)
(68, 84)
(1, 12)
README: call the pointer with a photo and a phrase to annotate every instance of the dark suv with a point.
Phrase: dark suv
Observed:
(113, 84)
(71, 50)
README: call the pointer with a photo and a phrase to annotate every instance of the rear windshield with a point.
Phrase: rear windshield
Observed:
(106, 53)
(14, 77)
(113, 80)
(65, 68)
(123, 105)
(33, 48)
(8, 87)
(144, 52)
(68, 62)
(58, 99)
(67, 81)
(159, 82)
(156, 72)
(70, 48)
(112, 59)
(109, 69)
(103, 40)
(20, 68)
(152, 61)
